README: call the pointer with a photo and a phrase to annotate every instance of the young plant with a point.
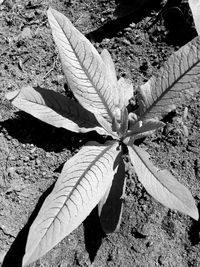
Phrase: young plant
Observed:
(96, 174)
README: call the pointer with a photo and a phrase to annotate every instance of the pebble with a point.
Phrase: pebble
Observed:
(26, 33)
(12, 172)
(20, 170)
(26, 158)
(126, 42)
(132, 25)
(48, 155)
(128, 29)
(38, 162)
(32, 150)
(106, 40)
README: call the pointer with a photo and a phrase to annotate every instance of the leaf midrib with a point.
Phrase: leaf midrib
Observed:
(153, 105)
(76, 185)
(87, 73)
(70, 114)
(152, 173)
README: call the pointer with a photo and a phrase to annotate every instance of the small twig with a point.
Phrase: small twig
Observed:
(53, 67)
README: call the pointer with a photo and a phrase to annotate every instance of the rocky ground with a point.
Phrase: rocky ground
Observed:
(32, 153)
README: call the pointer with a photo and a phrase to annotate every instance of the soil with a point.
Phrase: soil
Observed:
(32, 153)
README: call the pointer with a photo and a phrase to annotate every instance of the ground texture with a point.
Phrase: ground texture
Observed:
(32, 153)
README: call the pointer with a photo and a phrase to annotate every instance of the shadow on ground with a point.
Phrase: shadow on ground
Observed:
(17, 250)
(111, 28)
(194, 231)
(93, 234)
(26, 129)
(178, 32)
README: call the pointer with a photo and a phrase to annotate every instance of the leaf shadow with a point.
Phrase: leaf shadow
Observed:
(194, 231)
(112, 27)
(29, 130)
(93, 234)
(17, 250)
(179, 32)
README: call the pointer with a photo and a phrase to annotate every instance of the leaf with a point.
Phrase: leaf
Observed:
(111, 205)
(161, 185)
(125, 88)
(144, 128)
(195, 8)
(110, 67)
(107, 127)
(81, 185)
(54, 109)
(176, 81)
(83, 67)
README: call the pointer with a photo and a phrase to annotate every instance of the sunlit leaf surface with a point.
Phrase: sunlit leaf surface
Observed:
(161, 185)
(83, 67)
(176, 81)
(84, 180)
(54, 109)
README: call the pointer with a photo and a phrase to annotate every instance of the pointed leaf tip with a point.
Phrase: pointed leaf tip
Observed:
(84, 69)
(55, 109)
(161, 185)
(177, 81)
(82, 183)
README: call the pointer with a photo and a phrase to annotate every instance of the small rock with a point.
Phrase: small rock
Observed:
(19, 170)
(126, 42)
(48, 155)
(12, 172)
(32, 150)
(26, 159)
(26, 33)
(132, 25)
(12, 158)
(128, 29)
(106, 40)
(38, 162)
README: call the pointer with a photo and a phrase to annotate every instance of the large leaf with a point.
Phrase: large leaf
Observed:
(161, 185)
(83, 67)
(110, 67)
(176, 81)
(124, 86)
(83, 181)
(110, 206)
(55, 109)
(195, 8)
